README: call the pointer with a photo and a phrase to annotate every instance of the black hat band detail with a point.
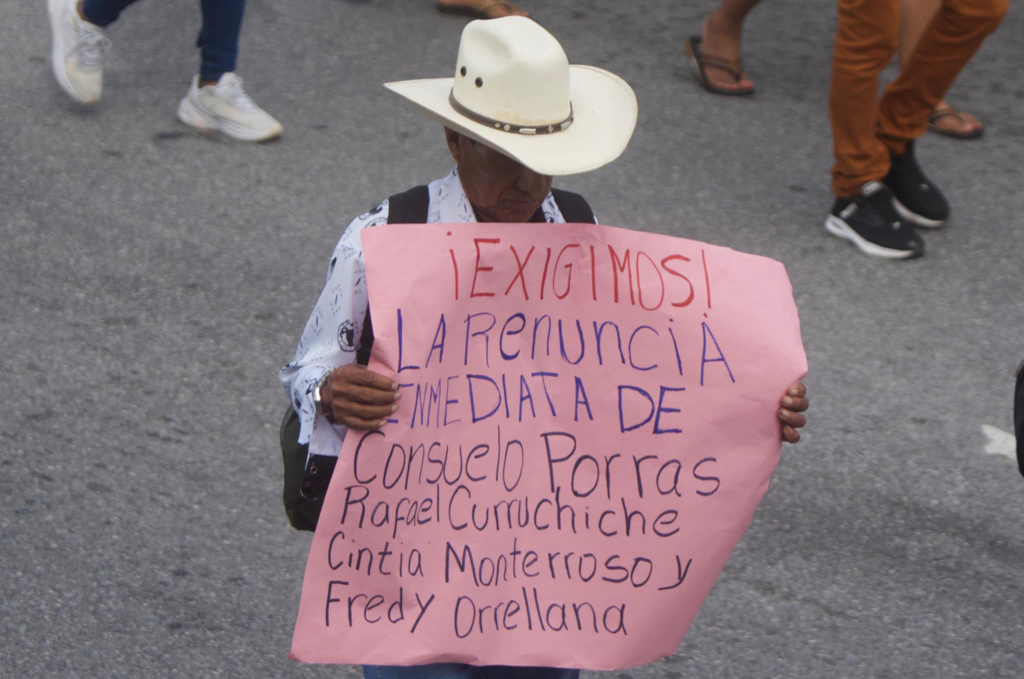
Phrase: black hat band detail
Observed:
(509, 127)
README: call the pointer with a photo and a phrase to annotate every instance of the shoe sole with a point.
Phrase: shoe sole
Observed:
(838, 227)
(190, 114)
(914, 218)
(54, 8)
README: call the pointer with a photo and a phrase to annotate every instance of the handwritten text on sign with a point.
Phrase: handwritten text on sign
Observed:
(587, 423)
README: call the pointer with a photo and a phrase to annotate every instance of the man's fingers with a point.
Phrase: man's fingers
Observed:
(792, 419)
(368, 378)
(795, 403)
(359, 424)
(360, 394)
(363, 411)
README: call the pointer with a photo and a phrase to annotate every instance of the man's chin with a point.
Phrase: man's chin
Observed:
(513, 215)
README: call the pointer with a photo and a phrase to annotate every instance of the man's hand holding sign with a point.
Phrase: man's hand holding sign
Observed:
(358, 398)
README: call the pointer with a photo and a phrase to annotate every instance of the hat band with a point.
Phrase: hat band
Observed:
(509, 127)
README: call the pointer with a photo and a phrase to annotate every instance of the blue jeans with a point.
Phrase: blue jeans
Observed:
(460, 671)
(218, 39)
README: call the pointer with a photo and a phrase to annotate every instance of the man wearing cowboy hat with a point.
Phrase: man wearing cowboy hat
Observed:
(515, 114)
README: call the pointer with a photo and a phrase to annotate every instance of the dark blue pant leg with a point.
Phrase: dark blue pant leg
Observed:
(218, 40)
(434, 671)
(459, 671)
(505, 672)
(104, 12)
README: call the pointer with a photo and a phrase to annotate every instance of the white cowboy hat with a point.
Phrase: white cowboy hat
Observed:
(515, 91)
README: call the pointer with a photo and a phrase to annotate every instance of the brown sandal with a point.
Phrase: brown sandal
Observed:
(950, 112)
(700, 61)
(484, 9)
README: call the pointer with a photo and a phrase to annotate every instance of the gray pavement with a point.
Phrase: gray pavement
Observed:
(154, 279)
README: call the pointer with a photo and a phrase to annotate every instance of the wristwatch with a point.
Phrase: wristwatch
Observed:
(318, 404)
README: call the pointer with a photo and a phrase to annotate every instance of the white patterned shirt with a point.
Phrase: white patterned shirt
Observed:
(331, 336)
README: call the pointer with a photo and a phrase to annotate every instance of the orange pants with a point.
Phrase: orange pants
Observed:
(864, 129)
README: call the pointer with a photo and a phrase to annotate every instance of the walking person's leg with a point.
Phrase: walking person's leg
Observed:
(79, 44)
(866, 39)
(716, 52)
(948, 43)
(950, 40)
(216, 99)
(915, 15)
(218, 38)
(102, 12)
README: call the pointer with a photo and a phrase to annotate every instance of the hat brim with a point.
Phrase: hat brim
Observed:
(604, 116)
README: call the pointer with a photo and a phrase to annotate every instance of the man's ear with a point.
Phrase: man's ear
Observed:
(454, 140)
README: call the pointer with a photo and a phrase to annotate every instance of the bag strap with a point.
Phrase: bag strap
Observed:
(409, 207)
(573, 206)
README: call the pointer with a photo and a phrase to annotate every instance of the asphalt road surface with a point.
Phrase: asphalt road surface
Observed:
(154, 279)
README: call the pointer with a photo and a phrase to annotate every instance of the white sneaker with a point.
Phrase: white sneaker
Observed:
(78, 48)
(226, 107)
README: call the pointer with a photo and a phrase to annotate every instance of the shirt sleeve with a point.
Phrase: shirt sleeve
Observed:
(331, 336)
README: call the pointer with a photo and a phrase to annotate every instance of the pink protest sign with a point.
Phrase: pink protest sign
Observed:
(587, 424)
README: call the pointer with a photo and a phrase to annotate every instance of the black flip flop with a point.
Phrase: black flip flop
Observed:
(700, 61)
(950, 112)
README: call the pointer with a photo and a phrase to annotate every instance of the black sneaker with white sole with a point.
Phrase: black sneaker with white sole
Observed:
(869, 221)
(918, 199)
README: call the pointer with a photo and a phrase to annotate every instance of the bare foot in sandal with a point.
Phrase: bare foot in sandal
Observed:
(721, 40)
(953, 123)
(481, 9)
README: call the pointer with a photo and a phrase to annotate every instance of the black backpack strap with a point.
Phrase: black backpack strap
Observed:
(306, 477)
(573, 206)
(409, 207)
(365, 340)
